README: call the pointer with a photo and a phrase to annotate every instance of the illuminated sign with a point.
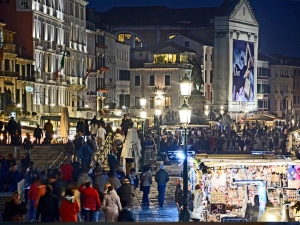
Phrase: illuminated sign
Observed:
(29, 89)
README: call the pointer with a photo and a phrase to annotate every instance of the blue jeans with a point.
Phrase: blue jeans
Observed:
(161, 193)
(146, 190)
(32, 210)
(96, 216)
(88, 215)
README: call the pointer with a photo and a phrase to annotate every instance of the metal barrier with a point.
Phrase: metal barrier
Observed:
(102, 155)
(59, 160)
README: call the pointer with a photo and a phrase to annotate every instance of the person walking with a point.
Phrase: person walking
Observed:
(125, 215)
(161, 178)
(100, 179)
(14, 209)
(118, 144)
(16, 141)
(84, 155)
(48, 127)
(38, 134)
(126, 193)
(67, 170)
(27, 144)
(146, 181)
(100, 135)
(178, 195)
(111, 205)
(70, 150)
(112, 161)
(80, 126)
(90, 201)
(48, 207)
(125, 125)
(197, 203)
(78, 142)
(12, 178)
(69, 207)
(12, 128)
(133, 178)
(36, 190)
(113, 179)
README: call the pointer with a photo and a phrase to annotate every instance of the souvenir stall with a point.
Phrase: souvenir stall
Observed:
(231, 182)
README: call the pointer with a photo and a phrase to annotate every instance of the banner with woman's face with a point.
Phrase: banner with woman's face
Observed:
(243, 71)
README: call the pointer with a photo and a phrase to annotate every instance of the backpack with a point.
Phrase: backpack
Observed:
(85, 152)
(118, 143)
(49, 207)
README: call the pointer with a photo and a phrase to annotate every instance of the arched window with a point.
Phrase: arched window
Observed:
(171, 36)
(130, 38)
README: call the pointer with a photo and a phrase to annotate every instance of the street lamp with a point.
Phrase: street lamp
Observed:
(222, 110)
(206, 111)
(185, 118)
(158, 114)
(143, 115)
(19, 105)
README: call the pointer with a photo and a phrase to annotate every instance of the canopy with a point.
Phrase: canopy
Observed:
(264, 117)
(64, 123)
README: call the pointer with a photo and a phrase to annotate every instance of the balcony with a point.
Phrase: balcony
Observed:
(285, 94)
(9, 74)
(10, 48)
(91, 93)
(25, 78)
(122, 82)
(168, 65)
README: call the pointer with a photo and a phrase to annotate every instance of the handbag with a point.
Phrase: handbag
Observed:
(247, 87)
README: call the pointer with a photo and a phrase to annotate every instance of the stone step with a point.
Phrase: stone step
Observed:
(42, 155)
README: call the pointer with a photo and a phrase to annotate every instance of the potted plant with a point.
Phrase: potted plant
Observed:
(34, 114)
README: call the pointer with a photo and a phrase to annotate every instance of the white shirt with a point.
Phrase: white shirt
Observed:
(101, 133)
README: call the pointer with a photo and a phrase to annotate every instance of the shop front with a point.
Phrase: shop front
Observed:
(247, 187)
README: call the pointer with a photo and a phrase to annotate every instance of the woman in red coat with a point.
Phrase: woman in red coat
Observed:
(69, 207)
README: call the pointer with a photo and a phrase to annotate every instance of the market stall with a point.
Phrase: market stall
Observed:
(233, 182)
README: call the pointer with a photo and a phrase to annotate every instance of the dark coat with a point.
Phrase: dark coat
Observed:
(126, 216)
(13, 210)
(178, 194)
(162, 177)
(80, 127)
(45, 216)
(38, 133)
(125, 192)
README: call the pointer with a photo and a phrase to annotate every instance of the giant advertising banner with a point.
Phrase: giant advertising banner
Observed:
(243, 71)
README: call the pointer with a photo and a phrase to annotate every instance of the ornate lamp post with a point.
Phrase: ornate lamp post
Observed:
(185, 118)
(143, 115)
(158, 114)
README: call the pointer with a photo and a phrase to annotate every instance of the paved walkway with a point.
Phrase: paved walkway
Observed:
(155, 213)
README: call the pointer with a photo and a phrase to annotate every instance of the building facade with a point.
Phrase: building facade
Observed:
(54, 35)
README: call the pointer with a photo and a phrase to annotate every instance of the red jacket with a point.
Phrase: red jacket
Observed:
(90, 198)
(36, 190)
(67, 170)
(68, 211)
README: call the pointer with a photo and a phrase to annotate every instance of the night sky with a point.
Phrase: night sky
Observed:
(279, 20)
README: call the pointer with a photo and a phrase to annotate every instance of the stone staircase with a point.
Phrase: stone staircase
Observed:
(101, 155)
(42, 155)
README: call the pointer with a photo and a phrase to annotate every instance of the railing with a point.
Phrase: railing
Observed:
(59, 160)
(102, 155)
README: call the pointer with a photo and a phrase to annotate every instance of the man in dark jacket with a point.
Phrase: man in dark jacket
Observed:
(125, 193)
(48, 207)
(125, 215)
(16, 140)
(80, 126)
(12, 127)
(38, 134)
(161, 178)
(178, 195)
(3, 171)
(125, 125)
(59, 187)
(12, 178)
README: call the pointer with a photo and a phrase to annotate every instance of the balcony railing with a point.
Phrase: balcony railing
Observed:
(9, 74)
(168, 65)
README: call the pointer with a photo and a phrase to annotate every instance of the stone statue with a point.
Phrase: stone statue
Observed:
(196, 77)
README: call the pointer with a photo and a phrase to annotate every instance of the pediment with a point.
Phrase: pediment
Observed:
(243, 12)
(168, 50)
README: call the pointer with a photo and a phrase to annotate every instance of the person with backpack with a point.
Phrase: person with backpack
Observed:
(118, 144)
(84, 155)
(90, 201)
(161, 178)
(38, 134)
(146, 181)
(112, 161)
(48, 207)
(27, 144)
